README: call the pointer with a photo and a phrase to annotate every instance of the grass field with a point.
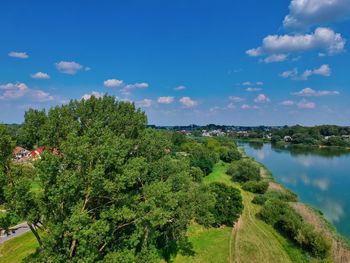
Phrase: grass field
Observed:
(18, 248)
(250, 241)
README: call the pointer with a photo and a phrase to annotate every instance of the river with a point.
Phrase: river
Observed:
(320, 177)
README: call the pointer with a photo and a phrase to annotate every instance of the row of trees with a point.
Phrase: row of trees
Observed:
(329, 135)
(113, 190)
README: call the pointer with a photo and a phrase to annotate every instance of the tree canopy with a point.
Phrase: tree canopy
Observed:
(109, 188)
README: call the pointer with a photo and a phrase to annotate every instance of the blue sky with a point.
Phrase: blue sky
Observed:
(247, 62)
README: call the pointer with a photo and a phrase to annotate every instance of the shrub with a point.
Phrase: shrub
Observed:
(244, 170)
(283, 217)
(257, 187)
(228, 204)
(196, 173)
(229, 154)
(259, 199)
(315, 243)
(286, 195)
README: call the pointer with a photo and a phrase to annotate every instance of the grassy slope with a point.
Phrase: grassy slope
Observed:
(251, 241)
(18, 248)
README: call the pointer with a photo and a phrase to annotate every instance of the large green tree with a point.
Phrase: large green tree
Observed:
(110, 189)
(30, 133)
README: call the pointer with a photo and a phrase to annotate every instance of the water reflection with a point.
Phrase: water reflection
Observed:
(332, 209)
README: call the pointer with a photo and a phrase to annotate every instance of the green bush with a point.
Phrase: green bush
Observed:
(259, 199)
(228, 204)
(316, 243)
(229, 154)
(286, 195)
(257, 187)
(244, 170)
(196, 173)
(283, 217)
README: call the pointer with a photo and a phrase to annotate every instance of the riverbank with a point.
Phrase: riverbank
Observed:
(253, 240)
(340, 246)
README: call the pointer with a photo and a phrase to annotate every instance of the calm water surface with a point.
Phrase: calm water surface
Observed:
(320, 177)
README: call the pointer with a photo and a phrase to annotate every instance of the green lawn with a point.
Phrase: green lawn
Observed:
(210, 245)
(18, 248)
(251, 241)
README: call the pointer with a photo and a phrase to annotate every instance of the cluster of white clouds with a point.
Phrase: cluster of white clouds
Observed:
(13, 91)
(323, 70)
(187, 102)
(306, 13)
(277, 48)
(125, 88)
(165, 100)
(309, 92)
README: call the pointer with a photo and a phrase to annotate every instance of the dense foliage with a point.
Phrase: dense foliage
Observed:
(328, 135)
(257, 187)
(228, 204)
(280, 215)
(109, 189)
(244, 170)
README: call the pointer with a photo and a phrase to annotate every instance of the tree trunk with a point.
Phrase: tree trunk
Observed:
(32, 228)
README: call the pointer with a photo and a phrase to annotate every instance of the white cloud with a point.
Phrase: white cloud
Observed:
(145, 103)
(40, 95)
(289, 73)
(96, 94)
(22, 55)
(231, 106)
(306, 13)
(188, 102)
(287, 103)
(235, 99)
(261, 98)
(275, 58)
(251, 89)
(305, 104)
(248, 83)
(181, 87)
(276, 47)
(113, 83)
(12, 91)
(165, 100)
(323, 70)
(40, 75)
(68, 67)
(214, 109)
(142, 85)
(249, 107)
(308, 92)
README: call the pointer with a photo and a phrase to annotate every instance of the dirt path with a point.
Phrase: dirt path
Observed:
(252, 241)
(234, 255)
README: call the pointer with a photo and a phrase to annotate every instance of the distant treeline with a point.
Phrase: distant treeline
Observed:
(326, 135)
